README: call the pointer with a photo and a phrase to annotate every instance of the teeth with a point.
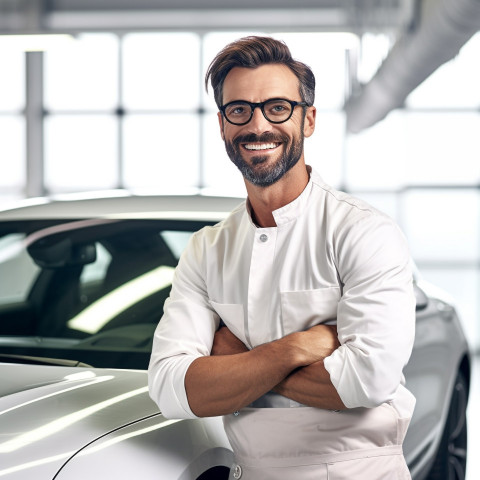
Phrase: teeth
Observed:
(263, 146)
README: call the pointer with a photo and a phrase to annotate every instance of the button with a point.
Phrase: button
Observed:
(263, 238)
(237, 472)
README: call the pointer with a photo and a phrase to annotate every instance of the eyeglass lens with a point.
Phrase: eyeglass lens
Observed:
(274, 111)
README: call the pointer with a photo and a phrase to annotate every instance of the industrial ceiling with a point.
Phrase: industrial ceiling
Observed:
(425, 33)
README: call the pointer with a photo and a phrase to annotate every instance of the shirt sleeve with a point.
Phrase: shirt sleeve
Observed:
(184, 333)
(376, 313)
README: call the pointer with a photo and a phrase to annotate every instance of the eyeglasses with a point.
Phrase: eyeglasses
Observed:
(275, 110)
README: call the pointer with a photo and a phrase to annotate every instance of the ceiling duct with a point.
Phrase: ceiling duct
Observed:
(443, 28)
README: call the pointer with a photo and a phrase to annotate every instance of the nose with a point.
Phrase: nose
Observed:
(258, 123)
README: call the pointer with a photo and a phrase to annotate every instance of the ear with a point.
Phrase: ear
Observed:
(309, 124)
(220, 122)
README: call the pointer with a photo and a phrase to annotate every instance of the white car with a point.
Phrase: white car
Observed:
(82, 287)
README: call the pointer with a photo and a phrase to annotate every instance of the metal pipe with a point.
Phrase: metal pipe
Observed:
(445, 26)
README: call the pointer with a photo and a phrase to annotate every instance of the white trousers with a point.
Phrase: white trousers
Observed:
(312, 444)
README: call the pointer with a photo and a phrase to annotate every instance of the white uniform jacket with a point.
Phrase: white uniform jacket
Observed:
(330, 259)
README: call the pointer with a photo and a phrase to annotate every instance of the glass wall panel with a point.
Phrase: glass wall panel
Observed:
(83, 76)
(81, 152)
(442, 148)
(324, 150)
(12, 81)
(12, 153)
(463, 285)
(375, 158)
(220, 174)
(161, 71)
(161, 151)
(443, 225)
(12, 126)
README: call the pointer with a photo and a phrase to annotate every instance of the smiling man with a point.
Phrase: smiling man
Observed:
(268, 137)
(294, 317)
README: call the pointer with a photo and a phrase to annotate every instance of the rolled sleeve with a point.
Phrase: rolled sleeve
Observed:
(376, 313)
(184, 333)
(166, 380)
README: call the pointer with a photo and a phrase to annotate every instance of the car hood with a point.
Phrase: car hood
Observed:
(48, 413)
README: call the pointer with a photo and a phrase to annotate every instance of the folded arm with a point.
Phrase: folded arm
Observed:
(311, 386)
(233, 376)
(308, 383)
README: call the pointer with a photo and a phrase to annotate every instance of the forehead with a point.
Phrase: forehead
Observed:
(259, 84)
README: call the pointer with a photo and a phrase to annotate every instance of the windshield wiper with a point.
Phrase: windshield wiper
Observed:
(25, 359)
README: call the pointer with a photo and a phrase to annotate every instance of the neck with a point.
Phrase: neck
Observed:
(265, 200)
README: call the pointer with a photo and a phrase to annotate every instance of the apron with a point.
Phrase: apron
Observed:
(307, 443)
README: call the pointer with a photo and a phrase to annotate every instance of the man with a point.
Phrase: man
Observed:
(313, 288)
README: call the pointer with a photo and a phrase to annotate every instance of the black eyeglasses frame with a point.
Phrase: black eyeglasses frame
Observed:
(261, 105)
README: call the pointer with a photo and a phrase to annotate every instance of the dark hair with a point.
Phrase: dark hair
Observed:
(252, 52)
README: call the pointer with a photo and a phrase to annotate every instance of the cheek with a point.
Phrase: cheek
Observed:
(230, 132)
(297, 126)
(297, 133)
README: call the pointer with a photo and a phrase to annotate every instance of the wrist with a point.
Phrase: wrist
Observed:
(291, 349)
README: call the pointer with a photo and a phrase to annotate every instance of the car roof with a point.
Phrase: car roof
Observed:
(123, 205)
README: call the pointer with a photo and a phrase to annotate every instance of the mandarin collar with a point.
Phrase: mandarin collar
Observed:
(292, 210)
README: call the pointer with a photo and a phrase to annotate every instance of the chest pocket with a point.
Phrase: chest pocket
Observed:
(304, 309)
(233, 317)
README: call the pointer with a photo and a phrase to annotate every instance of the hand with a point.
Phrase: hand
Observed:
(316, 343)
(328, 336)
(226, 343)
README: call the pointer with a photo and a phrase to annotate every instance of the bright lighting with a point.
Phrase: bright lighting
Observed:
(127, 436)
(66, 421)
(35, 43)
(84, 376)
(36, 463)
(99, 313)
(95, 449)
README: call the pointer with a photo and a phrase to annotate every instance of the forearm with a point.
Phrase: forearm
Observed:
(311, 385)
(219, 385)
(222, 384)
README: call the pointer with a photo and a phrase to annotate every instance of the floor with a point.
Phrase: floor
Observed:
(473, 418)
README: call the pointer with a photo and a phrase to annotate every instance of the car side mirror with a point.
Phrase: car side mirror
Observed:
(420, 298)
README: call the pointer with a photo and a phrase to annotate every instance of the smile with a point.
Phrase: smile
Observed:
(261, 146)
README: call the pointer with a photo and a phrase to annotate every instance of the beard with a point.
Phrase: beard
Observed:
(259, 172)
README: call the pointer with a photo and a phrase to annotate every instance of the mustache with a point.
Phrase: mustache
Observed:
(267, 137)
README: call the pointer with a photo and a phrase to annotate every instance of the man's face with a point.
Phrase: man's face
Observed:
(261, 150)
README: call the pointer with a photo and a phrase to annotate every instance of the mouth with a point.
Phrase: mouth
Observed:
(261, 146)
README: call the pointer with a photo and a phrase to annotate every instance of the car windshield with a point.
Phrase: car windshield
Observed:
(86, 290)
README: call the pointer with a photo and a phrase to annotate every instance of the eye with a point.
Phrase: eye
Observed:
(236, 110)
(278, 108)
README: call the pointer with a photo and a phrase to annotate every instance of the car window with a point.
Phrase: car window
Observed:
(176, 240)
(95, 272)
(17, 269)
(90, 290)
